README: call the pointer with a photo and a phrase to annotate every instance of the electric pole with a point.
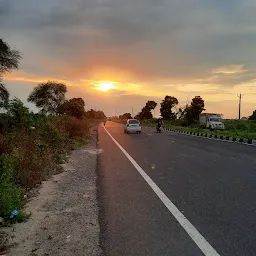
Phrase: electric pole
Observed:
(240, 96)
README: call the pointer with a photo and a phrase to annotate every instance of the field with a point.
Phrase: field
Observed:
(233, 128)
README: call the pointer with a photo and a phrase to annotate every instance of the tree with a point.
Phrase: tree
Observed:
(93, 114)
(188, 115)
(253, 116)
(100, 115)
(90, 114)
(125, 116)
(146, 112)
(73, 107)
(9, 58)
(166, 107)
(192, 112)
(4, 96)
(20, 114)
(197, 106)
(181, 112)
(48, 96)
(151, 105)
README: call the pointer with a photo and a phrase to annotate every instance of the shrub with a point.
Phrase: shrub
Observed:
(4, 145)
(28, 156)
(10, 195)
(5, 121)
(47, 134)
(72, 127)
(31, 162)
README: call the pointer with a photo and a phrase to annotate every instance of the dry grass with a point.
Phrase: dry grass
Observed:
(36, 154)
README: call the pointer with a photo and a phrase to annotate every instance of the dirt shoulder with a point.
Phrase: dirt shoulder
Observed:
(64, 218)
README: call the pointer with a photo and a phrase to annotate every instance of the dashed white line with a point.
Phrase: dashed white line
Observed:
(200, 241)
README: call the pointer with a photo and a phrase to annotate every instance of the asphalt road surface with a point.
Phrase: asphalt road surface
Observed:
(170, 194)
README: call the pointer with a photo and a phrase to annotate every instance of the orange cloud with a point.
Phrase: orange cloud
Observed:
(20, 76)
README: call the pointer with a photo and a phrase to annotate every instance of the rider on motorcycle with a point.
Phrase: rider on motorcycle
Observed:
(159, 123)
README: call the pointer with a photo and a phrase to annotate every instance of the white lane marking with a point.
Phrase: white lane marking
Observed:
(200, 241)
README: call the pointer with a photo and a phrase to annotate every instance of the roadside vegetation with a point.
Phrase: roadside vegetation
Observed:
(187, 118)
(33, 145)
(234, 128)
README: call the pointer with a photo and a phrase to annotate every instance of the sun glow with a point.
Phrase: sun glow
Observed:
(105, 86)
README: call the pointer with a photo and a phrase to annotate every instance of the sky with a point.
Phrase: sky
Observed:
(146, 49)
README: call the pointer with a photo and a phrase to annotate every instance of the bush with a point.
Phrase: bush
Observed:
(72, 127)
(36, 153)
(31, 162)
(28, 156)
(5, 121)
(10, 195)
(4, 145)
(47, 134)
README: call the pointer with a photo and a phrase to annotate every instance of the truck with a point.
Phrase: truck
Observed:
(211, 121)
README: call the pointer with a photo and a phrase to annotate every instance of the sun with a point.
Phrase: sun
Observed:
(105, 86)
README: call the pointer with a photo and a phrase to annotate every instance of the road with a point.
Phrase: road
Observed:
(212, 183)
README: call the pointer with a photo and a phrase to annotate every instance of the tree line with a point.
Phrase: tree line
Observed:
(49, 97)
(187, 115)
(168, 111)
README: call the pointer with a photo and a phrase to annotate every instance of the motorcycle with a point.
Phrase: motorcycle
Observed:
(159, 128)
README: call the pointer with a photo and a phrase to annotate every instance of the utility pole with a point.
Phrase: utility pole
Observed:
(240, 96)
(132, 112)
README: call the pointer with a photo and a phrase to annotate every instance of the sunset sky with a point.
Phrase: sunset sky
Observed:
(145, 49)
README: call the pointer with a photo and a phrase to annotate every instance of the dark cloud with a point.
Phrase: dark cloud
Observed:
(5, 8)
(154, 40)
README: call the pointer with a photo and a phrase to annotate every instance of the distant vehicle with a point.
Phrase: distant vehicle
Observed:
(211, 121)
(159, 125)
(132, 126)
(159, 128)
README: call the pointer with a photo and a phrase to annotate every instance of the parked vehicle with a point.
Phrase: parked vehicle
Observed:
(132, 126)
(211, 121)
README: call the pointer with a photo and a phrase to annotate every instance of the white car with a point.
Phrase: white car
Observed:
(132, 125)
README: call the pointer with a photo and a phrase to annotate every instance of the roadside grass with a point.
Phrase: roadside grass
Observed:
(29, 156)
(10, 194)
(233, 128)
